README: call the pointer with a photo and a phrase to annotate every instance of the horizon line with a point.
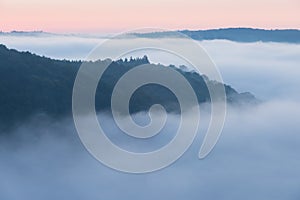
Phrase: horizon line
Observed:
(128, 30)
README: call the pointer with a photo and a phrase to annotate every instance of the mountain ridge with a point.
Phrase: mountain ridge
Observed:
(233, 34)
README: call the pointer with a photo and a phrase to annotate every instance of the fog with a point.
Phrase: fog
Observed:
(256, 157)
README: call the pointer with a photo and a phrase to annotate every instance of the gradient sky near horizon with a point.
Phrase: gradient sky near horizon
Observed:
(117, 15)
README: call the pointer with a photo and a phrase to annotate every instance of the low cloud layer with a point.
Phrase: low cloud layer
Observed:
(255, 158)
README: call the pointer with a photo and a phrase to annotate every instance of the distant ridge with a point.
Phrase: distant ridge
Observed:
(49, 34)
(27, 33)
(233, 34)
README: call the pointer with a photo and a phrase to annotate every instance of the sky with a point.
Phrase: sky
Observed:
(112, 16)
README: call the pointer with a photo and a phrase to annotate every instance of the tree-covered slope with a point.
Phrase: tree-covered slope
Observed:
(31, 84)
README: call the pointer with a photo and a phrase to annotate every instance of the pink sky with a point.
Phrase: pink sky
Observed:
(122, 15)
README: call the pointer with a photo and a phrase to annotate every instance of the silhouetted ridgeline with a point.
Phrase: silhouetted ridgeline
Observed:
(232, 34)
(31, 84)
(235, 34)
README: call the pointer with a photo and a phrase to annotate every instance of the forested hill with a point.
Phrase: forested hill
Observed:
(31, 84)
